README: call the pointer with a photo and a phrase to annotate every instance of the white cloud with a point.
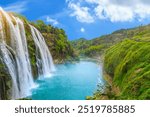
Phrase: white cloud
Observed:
(113, 10)
(50, 20)
(92, 1)
(82, 30)
(122, 10)
(81, 13)
(17, 7)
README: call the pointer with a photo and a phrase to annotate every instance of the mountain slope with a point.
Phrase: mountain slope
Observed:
(96, 47)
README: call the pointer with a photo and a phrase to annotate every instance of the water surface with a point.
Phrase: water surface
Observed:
(69, 82)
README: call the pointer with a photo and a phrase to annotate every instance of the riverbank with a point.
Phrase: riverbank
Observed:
(107, 92)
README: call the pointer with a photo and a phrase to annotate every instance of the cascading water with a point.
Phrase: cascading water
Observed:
(15, 54)
(45, 64)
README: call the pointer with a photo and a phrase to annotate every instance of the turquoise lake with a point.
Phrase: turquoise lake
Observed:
(71, 81)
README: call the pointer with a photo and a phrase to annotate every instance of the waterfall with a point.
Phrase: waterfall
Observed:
(45, 64)
(15, 55)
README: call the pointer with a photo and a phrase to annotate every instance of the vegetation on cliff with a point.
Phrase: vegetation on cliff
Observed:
(5, 82)
(127, 67)
(128, 63)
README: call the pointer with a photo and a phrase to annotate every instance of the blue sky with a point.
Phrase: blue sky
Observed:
(84, 18)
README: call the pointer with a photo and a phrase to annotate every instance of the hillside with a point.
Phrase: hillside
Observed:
(127, 70)
(95, 47)
(127, 67)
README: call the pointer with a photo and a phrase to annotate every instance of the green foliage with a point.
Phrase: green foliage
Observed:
(5, 82)
(93, 50)
(98, 45)
(128, 64)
